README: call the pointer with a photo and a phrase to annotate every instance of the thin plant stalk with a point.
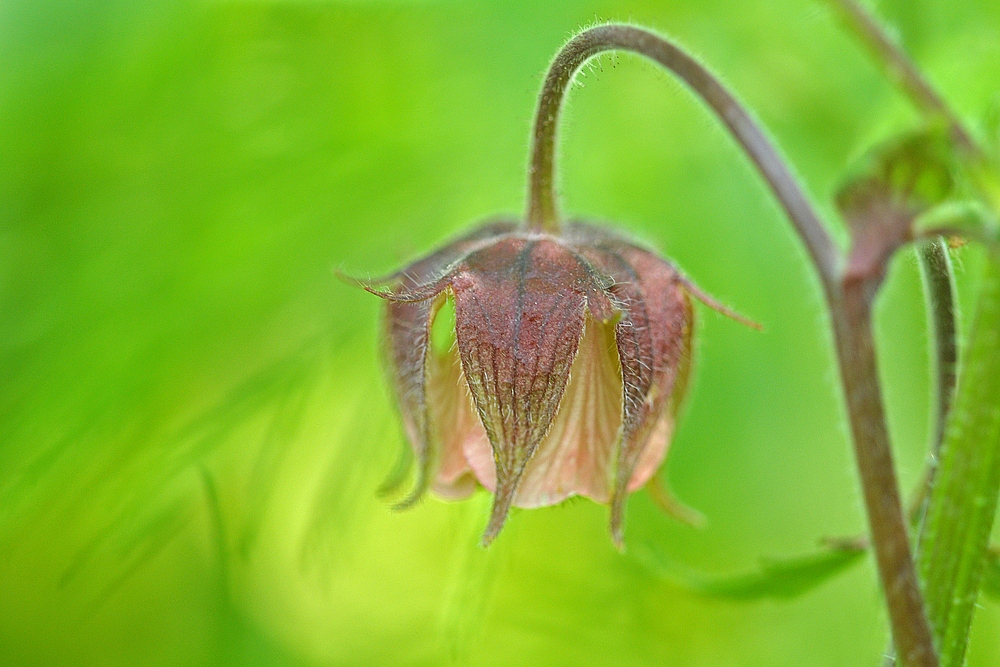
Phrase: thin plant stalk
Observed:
(852, 321)
(939, 288)
(942, 309)
(542, 210)
(901, 70)
(848, 297)
(935, 263)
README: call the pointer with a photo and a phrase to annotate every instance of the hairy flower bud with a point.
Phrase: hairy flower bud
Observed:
(571, 357)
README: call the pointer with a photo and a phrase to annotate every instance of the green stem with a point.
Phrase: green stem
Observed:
(963, 501)
(939, 288)
(942, 310)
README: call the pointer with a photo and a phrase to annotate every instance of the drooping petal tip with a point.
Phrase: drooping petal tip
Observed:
(502, 500)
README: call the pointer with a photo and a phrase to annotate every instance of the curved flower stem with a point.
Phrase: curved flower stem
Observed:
(848, 297)
(542, 210)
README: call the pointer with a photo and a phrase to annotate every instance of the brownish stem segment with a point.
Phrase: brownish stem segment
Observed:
(848, 299)
(859, 372)
(542, 213)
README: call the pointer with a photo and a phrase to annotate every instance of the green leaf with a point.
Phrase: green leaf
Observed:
(991, 575)
(775, 578)
(783, 579)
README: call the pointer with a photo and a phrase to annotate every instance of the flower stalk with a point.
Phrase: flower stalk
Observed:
(542, 210)
(960, 511)
(933, 258)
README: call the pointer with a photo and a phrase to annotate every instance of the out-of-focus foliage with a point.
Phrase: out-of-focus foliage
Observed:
(774, 578)
(991, 577)
(193, 425)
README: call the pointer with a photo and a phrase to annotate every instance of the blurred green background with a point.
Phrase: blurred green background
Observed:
(193, 423)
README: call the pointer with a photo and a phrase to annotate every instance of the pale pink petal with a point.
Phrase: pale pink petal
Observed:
(656, 450)
(575, 456)
(479, 455)
(520, 309)
(654, 343)
(453, 422)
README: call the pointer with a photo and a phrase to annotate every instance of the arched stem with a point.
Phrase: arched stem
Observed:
(848, 296)
(542, 213)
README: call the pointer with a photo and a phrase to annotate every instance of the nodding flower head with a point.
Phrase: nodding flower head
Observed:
(571, 355)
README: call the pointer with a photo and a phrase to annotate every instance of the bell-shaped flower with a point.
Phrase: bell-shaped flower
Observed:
(571, 357)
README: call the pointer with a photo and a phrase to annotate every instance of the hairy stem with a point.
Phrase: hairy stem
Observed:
(848, 299)
(939, 288)
(939, 291)
(887, 523)
(963, 498)
(942, 309)
(935, 263)
(542, 210)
